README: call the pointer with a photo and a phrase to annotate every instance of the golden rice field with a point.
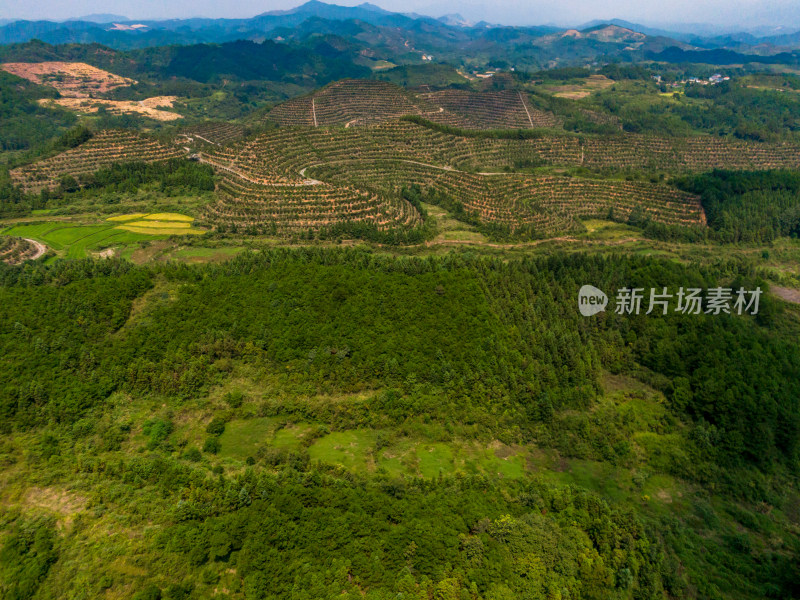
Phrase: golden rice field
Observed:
(157, 224)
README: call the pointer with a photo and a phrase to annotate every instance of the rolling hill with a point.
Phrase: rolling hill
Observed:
(358, 102)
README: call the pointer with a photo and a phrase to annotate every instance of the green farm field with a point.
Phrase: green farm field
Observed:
(75, 240)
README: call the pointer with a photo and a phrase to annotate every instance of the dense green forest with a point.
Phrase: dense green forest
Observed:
(740, 206)
(110, 185)
(749, 206)
(171, 177)
(447, 349)
(23, 123)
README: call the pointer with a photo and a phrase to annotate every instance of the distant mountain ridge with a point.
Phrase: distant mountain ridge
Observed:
(324, 10)
(101, 18)
(401, 38)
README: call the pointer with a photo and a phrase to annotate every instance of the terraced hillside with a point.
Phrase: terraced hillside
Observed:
(353, 102)
(214, 133)
(537, 206)
(348, 102)
(280, 175)
(292, 209)
(15, 250)
(102, 150)
(507, 109)
(270, 183)
(283, 153)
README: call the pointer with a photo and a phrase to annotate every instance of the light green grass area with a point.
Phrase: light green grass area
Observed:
(194, 254)
(661, 493)
(488, 462)
(291, 436)
(639, 478)
(435, 459)
(354, 450)
(600, 229)
(382, 65)
(350, 449)
(243, 437)
(463, 235)
(399, 458)
(613, 482)
(451, 229)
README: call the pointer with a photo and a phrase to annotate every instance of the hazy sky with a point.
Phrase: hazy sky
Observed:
(743, 13)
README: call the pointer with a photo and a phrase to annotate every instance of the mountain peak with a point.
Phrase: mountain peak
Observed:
(100, 18)
(455, 20)
(372, 7)
(323, 9)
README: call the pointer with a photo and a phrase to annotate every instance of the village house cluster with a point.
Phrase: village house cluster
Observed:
(715, 79)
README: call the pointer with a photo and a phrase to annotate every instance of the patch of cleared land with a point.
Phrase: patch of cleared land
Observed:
(71, 79)
(149, 107)
(577, 91)
(787, 294)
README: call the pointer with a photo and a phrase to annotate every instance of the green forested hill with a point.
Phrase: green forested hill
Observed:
(23, 123)
(333, 423)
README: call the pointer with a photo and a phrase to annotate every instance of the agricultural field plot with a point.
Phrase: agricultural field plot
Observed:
(105, 148)
(275, 184)
(157, 224)
(282, 154)
(349, 102)
(312, 177)
(577, 91)
(73, 240)
(149, 107)
(508, 109)
(353, 102)
(309, 178)
(212, 133)
(543, 206)
(71, 79)
(204, 255)
(16, 250)
(255, 208)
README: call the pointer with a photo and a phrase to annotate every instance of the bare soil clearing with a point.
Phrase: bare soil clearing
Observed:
(149, 107)
(576, 92)
(71, 79)
(787, 294)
